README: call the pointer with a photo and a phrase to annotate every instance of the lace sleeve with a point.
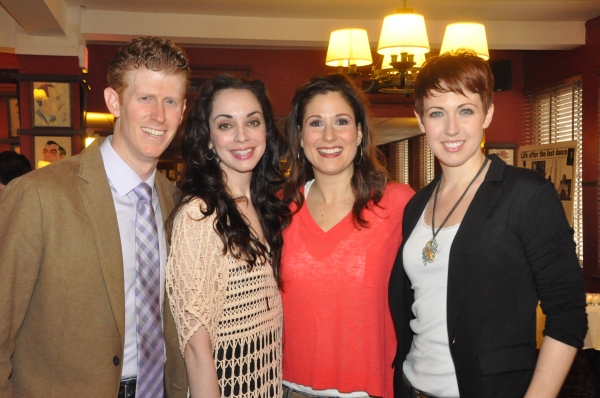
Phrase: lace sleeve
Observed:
(195, 276)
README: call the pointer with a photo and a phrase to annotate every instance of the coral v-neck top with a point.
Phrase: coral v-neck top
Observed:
(338, 331)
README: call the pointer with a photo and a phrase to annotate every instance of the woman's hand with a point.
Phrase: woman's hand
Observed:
(200, 365)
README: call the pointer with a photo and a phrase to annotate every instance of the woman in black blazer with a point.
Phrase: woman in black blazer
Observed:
(481, 245)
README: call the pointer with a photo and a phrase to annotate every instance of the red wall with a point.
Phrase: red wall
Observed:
(7, 61)
(508, 123)
(284, 70)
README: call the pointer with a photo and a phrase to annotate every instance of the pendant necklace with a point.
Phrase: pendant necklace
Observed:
(431, 247)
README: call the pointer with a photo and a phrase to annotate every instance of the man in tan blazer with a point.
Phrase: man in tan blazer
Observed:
(68, 250)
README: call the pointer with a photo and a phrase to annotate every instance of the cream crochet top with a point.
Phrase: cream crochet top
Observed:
(241, 310)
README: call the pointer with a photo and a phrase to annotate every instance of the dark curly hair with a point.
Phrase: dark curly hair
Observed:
(155, 53)
(12, 165)
(203, 178)
(370, 176)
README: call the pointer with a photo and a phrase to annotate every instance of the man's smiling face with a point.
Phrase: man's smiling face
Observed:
(149, 112)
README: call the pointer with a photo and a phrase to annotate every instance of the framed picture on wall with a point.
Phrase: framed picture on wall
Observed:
(14, 124)
(49, 149)
(506, 151)
(51, 104)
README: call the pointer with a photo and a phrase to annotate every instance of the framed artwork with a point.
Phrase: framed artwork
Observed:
(505, 151)
(49, 149)
(51, 104)
(14, 124)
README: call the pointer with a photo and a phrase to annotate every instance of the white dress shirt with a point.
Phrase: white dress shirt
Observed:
(122, 181)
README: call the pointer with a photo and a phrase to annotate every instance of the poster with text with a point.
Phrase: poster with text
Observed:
(556, 162)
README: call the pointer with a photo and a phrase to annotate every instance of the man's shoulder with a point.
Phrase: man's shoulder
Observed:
(63, 171)
(65, 175)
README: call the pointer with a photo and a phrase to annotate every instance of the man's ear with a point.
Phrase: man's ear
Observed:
(111, 97)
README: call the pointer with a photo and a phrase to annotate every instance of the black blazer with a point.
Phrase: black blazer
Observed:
(514, 247)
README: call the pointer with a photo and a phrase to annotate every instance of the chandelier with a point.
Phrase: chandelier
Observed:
(403, 45)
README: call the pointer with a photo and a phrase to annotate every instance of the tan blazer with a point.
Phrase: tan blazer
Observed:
(62, 300)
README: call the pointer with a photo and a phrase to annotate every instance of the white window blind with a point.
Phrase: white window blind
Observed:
(398, 160)
(428, 163)
(555, 115)
(421, 162)
(411, 162)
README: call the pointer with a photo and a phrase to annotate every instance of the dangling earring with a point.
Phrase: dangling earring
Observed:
(361, 155)
(300, 162)
(211, 152)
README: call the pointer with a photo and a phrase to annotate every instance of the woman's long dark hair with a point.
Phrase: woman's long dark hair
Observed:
(370, 177)
(203, 178)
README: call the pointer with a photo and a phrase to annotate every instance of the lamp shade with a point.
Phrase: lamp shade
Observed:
(403, 31)
(467, 35)
(349, 47)
(39, 95)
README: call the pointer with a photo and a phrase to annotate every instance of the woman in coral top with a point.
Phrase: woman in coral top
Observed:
(339, 249)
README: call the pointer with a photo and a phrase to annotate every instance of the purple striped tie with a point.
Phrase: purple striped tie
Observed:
(147, 299)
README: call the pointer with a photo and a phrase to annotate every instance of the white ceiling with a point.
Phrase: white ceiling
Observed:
(481, 10)
(517, 24)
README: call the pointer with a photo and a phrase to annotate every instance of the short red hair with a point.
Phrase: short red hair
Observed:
(154, 53)
(454, 71)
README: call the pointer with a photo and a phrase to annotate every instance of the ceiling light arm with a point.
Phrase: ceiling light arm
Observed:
(406, 62)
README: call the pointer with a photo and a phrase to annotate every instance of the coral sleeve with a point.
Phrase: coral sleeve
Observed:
(195, 275)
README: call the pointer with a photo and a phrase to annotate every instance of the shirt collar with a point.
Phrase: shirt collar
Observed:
(121, 176)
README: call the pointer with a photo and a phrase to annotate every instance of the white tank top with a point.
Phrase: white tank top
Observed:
(429, 366)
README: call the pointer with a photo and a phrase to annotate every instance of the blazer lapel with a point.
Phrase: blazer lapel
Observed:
(165, 195)
(461, 262)
(98, 201)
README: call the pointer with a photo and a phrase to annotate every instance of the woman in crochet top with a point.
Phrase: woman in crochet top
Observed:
(339, 249)
(223, 268)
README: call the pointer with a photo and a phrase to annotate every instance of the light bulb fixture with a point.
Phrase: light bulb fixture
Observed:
(39, 94)
(403, 42)
(42, 163)
(403, 45)
(349, 48)
(467, 35)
